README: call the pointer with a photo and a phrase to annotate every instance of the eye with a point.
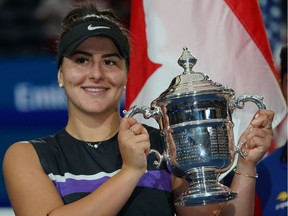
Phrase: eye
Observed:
(79, 57)
(109, 62)
(81, 60)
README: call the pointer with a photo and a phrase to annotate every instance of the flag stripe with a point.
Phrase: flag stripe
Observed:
(251, 19)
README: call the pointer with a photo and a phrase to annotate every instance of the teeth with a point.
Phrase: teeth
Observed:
(94, 89)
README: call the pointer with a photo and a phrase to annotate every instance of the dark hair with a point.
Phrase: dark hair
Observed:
(85, 12)
(283, 62)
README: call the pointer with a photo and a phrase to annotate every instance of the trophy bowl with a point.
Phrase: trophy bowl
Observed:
(195, 118)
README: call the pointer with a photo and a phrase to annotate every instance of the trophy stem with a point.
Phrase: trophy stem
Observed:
(204, 188)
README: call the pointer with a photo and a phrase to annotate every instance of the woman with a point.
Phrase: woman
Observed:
(99, 164)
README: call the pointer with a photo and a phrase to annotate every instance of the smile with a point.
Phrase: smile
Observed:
(95, 89)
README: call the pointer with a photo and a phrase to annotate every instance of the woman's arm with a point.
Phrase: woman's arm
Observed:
(258, 137)
(31, 192)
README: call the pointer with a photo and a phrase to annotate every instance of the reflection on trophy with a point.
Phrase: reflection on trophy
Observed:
(194, 115)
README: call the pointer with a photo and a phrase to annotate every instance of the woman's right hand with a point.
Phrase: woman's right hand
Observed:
(134, 145)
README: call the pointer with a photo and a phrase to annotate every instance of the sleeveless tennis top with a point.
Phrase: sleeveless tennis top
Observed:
(77, 169)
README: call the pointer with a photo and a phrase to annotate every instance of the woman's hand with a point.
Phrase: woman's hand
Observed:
(257, 138)
(134, 145)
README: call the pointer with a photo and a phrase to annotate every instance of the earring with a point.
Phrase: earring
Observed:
(60, 85)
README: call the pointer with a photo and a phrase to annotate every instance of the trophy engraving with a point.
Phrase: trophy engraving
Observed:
(195, 116)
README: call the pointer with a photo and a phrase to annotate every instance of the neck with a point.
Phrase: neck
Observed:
(93, 129)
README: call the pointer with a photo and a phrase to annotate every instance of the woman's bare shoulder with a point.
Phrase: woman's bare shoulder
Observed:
(19, 153)
(18, 147)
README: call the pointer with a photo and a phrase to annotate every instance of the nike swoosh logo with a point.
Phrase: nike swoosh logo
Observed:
(91, 28)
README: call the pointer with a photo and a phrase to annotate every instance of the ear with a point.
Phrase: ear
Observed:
(60, 77)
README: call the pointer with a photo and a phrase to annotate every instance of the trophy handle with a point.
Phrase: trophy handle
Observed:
(153, 112)
(239, 103)
(147, 112)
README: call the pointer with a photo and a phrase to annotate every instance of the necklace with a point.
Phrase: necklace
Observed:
(96, 145)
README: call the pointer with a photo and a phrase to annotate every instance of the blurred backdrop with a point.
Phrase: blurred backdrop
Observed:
(31, 102)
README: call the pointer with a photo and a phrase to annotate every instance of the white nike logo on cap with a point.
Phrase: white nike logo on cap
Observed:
(91, 28)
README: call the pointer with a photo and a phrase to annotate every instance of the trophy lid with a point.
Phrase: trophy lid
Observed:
(191, 83)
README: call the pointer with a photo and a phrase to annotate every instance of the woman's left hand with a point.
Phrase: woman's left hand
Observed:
(257, 137)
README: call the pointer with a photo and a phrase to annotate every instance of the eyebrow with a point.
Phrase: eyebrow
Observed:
(81, 52)
(103, 56)
(112, 55)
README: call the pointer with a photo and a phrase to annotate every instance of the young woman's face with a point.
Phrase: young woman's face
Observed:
(94, 76)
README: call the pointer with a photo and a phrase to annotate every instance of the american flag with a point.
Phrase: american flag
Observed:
(274, 14)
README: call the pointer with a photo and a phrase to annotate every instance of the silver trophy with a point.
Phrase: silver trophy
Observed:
(194, 117)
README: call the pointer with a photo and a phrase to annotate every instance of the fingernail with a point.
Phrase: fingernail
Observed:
(256, 116)
(250, 129)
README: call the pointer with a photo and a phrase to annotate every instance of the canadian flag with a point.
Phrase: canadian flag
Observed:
(226, 36)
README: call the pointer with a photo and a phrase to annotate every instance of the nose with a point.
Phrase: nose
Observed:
(96, 72)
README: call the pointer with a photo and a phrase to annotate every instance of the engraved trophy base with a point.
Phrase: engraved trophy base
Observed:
(204, 189)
